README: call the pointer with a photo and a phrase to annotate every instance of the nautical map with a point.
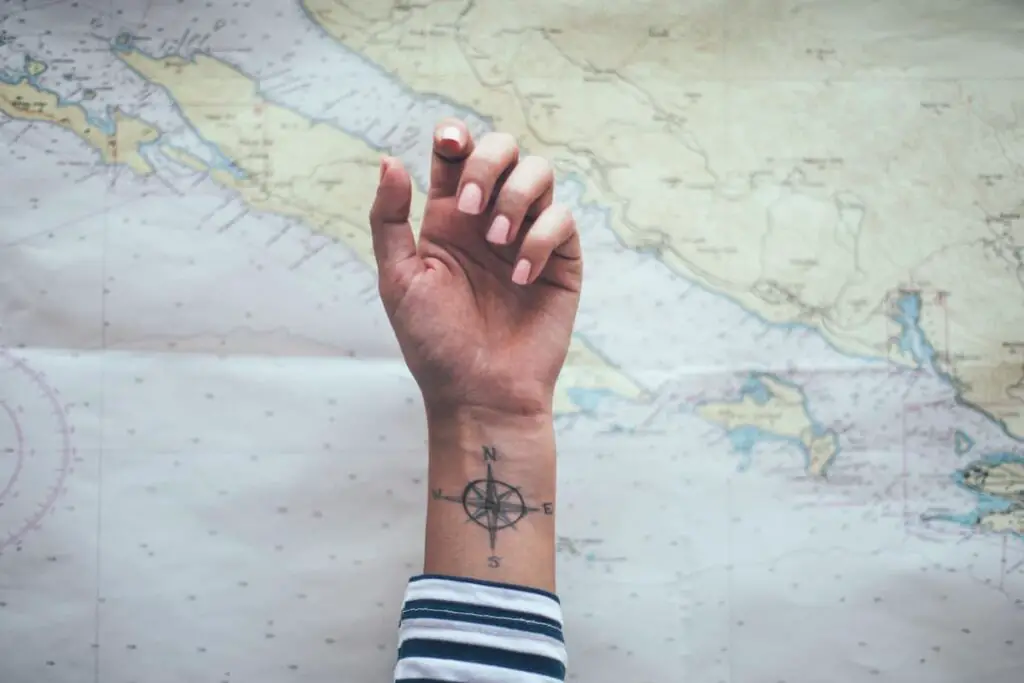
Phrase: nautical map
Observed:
(791, 425)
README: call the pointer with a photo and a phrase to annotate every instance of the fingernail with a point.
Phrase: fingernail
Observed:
(383, 167)
(522, 272)
(471, 199)
(450, 140)
(498, 233)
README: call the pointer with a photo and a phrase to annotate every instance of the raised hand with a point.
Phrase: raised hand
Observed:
(484, 304)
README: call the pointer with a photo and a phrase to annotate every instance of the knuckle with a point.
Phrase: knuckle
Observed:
(531, 181)
(549, 242)
(497, 148)
(490, 157)
(539, 165)
(570, 222)
(542, 247)
(500, 140)
(514, 199)
(564, 216)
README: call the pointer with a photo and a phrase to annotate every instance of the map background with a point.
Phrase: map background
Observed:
(226, 513)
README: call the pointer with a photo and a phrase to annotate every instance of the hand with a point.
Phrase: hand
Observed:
(483, 306)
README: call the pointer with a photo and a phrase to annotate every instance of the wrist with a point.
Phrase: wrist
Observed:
(461, 432)
(491, 503)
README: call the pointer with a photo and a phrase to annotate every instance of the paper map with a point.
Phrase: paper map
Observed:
(791, 426)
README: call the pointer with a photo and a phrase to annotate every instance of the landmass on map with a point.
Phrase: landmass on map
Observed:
(998, 482)
(781, 233)
(769, 408)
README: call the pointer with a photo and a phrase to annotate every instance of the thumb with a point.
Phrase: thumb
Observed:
(393, 241)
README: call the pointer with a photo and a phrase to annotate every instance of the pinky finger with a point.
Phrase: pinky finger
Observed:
(554, 232)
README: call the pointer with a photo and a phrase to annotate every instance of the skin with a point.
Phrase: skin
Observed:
(482, 307)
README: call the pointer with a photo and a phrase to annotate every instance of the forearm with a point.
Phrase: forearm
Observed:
(491, 499)
(484, 608)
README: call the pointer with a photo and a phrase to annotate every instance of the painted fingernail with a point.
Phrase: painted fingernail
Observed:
(522, 272)
(450, 139)
(471, 199)
(498, 232)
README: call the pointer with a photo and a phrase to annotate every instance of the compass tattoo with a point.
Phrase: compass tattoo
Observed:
(492, 504)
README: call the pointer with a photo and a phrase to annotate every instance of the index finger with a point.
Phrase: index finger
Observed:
(452, 144)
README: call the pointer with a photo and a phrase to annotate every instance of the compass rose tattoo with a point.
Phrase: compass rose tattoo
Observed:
(493, 504)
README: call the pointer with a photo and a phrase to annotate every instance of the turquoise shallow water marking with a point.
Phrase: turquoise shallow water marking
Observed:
(756, 389)
(962, 443)
(588, 399)
(912, 340)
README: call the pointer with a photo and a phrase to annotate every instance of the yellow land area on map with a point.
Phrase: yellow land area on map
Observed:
(311, 171)
(24, 101)
(804, 200)
(783, 413)
(1000, 479)
(1010, 521)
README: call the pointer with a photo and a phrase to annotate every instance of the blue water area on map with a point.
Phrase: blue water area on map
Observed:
(756, 389)
(589, 399)
(912, 339)
(962, 443)
(743, 440)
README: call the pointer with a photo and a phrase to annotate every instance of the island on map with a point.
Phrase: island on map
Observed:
(118, 140)
(998, 481)
(771, 409)
(962, 444)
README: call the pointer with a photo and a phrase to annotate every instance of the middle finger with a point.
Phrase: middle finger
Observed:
(494, 154)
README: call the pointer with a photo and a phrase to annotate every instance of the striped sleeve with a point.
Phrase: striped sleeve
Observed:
(456, 630)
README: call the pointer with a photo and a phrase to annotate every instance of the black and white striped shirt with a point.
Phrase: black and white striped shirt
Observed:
(454, 630)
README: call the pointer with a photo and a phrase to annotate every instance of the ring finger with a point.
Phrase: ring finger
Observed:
(554, 232)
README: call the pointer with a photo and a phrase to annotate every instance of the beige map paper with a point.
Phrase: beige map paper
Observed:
(791, 427)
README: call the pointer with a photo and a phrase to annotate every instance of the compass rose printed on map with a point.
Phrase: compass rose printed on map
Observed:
(35, 449)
